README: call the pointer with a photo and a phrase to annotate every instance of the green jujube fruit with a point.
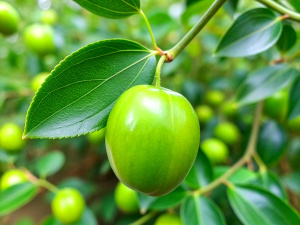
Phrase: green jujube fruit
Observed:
(227, 132)
(152, 139)
(126, 199)
(9, 19)
(168, 219)
(11, 137)
(11, 178)
(276, 106)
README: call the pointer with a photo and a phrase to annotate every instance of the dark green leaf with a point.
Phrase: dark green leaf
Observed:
(264, 83)
(255, 206)
(253, 32)
(287, 39)
(294, 100)
(201, 211)
(16, 196)
(160, 203)
(80, 92)
(201, 173)
(292, 181)
(230, 6)
(241, 176)
(116, 9)
(271, 142)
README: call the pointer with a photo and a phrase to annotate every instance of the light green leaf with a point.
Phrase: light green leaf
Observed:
(253, 32)
(116, 9)
(80, 92)
(241, 176)
(201, 211)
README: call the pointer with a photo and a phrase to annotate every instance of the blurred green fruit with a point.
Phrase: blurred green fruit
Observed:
(276, 106)
(40, 39)
(38, 81)
(68, 205)
(204, 113)
(168, 219)
(9, 19)
(294, 124)
(229, 109)
(97, 137)
(11, 137)
(49, 17)
(214, 97)
(11, 178)
(215, 150)
(126, 199)
(227, 132)
(150, 131)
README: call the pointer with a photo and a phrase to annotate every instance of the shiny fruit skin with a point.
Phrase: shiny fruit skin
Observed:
(9, 18)
(40, 39)
(204, 113)
(152, 139)
(97, 137)
(168, 219)
(11, 137)
(227, 132)
(294, 124)
(38, 81)
(11, 178)
(126, 199)
(276, 106)
(215, 150)
(214, 97)
(68, 205)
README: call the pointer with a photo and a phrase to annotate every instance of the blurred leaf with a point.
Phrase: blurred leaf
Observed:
(230, 6)
(25, 221)
(287, 39)
(292, 181)
(254, 206)
(201, 211)
(271, 142)
(201, 173)
(264, 83)
(108, 208)
(116, 9)
(294, 100)
(80, 92)
(270, 182)
(49, 164)
(16, 197)
(260, 31)
(160, 203)
(193, 91)
(241, 176)
(295, 4)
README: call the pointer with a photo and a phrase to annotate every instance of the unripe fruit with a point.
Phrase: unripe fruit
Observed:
(38, 81)
(152, 139)
(68, 205)
(11, 137)
(276, 106)
(214, 97)
(168, 219)
(294, 124)
(126, 199)
(97, 137)
(40, 39)
(229, 109)
(9, 19)
(11, 178)
(215, 150)
(49, 17)
(227, 132)
(204, 113)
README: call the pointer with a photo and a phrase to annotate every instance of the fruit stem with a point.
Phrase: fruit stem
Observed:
(145, 218)
(196, 28)
(260, 163)
(149, 28)
(250, 151)
(281, 9)
(158, 70)
(45, 184)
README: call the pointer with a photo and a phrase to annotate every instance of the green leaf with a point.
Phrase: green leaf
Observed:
(241, 176)
(255, 206)
(49, 164)
(230, 6)
(16, 196)
(294, 100)
(25, 221)
(292, 181)
(116, 9)
(201, 173)
(295, 4)
(271, 142)
(253, 32)
(264, 83)
(160, 203)
(270, 182)
(79, 94)
(287, 39)
(201, 211)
